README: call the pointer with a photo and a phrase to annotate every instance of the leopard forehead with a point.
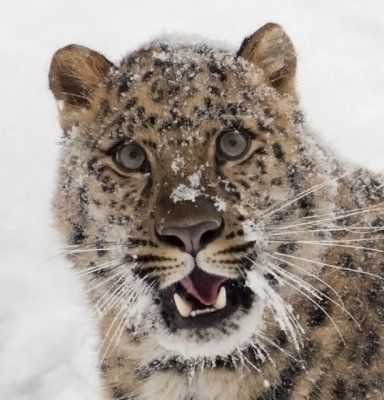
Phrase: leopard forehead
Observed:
(173, 89)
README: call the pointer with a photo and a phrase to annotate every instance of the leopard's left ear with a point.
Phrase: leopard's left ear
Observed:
(271, 49)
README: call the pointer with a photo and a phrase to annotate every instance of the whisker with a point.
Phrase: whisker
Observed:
(282, 314)
(306, 295)
(354, 230)
(106, 336)
(106, 280)
(330, 240)
(331, 266)
(95, 268)
(109, 298)
(331, 243)
(311, 275)
(89, 250)
(338, 212)
(333, 218)
(340, 305)
(304, 193)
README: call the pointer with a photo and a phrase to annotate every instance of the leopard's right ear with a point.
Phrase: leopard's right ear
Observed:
(76, 72)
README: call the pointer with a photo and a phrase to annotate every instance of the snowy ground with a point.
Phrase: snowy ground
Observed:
(47, 348)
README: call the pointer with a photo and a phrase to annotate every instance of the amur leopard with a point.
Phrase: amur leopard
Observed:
(228, 255)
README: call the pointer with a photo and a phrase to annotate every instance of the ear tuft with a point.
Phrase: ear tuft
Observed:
(75, 73)
(271, 49)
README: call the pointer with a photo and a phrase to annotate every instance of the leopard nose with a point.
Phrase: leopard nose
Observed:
(191, 238)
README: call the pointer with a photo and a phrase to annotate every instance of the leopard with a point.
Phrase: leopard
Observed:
(227, 252)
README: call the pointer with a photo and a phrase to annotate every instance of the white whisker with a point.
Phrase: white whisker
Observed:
(330, 219)
(333, 243)
(323, 264)
(340, 305)
(306, 295)
(304, 193)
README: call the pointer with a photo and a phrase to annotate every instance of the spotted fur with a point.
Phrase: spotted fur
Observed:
(302, 234)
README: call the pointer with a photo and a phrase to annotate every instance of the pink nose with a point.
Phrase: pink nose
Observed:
(190, 238)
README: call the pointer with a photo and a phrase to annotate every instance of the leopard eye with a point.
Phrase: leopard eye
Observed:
(130, 156)
(232, 144)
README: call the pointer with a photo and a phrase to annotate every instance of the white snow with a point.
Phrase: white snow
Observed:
(191, 191)
(47, 342)
(178, 164)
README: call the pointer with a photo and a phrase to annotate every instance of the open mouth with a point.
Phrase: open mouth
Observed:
(202, 300)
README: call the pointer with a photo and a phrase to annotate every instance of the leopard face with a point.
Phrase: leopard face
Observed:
(182, 168)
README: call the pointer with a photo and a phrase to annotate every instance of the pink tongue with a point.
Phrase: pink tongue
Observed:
(202, 286)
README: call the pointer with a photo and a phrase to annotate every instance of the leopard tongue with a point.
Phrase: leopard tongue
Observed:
(202, 286)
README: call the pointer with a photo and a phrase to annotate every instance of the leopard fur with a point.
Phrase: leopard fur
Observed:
(299, 242)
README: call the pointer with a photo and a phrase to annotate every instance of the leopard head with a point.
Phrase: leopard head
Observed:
(179, 168)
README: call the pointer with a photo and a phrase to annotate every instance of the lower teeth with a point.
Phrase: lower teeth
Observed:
(203, 311)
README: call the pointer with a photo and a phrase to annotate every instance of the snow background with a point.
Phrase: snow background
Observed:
(47, 335)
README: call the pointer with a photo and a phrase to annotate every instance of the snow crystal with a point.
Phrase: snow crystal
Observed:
(177, 164)
(220, 204)
(191, 192)
(185, 193)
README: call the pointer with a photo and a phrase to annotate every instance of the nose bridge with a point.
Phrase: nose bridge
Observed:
(175, 212)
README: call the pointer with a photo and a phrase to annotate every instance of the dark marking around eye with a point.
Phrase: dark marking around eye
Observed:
(107, 186)
(150, 144)
(278, 151)
(94, 167)
(148, 188)
(261, 165)
(261, 150)
(262, 126)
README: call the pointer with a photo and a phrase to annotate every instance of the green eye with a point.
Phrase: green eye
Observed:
(130, 156)
(232, 144)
